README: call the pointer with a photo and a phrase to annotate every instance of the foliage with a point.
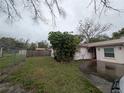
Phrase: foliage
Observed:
(32, 46)
(64, 45)
(90, 29)
(43, 44)
(13, 43)
(99, 38)
(44, 75)
(28, 83)
(119, 34)
(8, 43)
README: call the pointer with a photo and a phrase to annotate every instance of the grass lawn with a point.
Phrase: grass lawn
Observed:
(44, 75)
(9, 59)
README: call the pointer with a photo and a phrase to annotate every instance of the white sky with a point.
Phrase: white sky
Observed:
(75, 10)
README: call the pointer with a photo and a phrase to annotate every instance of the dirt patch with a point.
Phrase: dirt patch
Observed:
(8, 88)
(4, 73)
(5, 86)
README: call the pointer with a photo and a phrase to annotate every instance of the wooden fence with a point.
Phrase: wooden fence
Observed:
(31, 53)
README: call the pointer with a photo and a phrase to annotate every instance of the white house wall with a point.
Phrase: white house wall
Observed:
(52, 53)
(118, 51)
(82, 53)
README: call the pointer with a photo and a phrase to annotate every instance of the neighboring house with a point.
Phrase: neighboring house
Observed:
(108, 55)
(40, 49)
(23, 52)
(52, 52)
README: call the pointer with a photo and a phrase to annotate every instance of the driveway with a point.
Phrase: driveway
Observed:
(122, 85)
(101, 83)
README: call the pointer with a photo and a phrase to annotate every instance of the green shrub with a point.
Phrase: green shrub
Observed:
(64, 45)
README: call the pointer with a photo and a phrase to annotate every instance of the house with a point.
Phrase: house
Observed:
(52, 52)
(109, 55)
(23, 52)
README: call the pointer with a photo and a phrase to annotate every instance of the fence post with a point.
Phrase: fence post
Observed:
(1, 52)
(14, 61)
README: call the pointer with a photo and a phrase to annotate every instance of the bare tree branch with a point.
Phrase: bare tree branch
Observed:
(10, 7)
(90, 29)
(102, 5)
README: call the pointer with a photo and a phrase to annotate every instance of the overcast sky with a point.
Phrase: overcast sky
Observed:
(75, 10)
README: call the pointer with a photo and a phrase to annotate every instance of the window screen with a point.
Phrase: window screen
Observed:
(109, 52)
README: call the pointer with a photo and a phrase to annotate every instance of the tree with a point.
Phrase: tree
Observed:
(43, 44)
(90, 29)
(9, 43)
(119, 34)
(32, 46)
(102, 5)
(64, 45)
(99, 38)
(12, 11)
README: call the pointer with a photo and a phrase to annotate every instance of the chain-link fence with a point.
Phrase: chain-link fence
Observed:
(10, 57)
(40, 53)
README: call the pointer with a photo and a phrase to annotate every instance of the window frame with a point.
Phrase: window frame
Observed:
(110, 53)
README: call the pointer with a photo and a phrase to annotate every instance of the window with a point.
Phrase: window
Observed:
(109, 52)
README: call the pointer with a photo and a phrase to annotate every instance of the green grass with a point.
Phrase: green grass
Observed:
(44, 75)
(9, 59)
